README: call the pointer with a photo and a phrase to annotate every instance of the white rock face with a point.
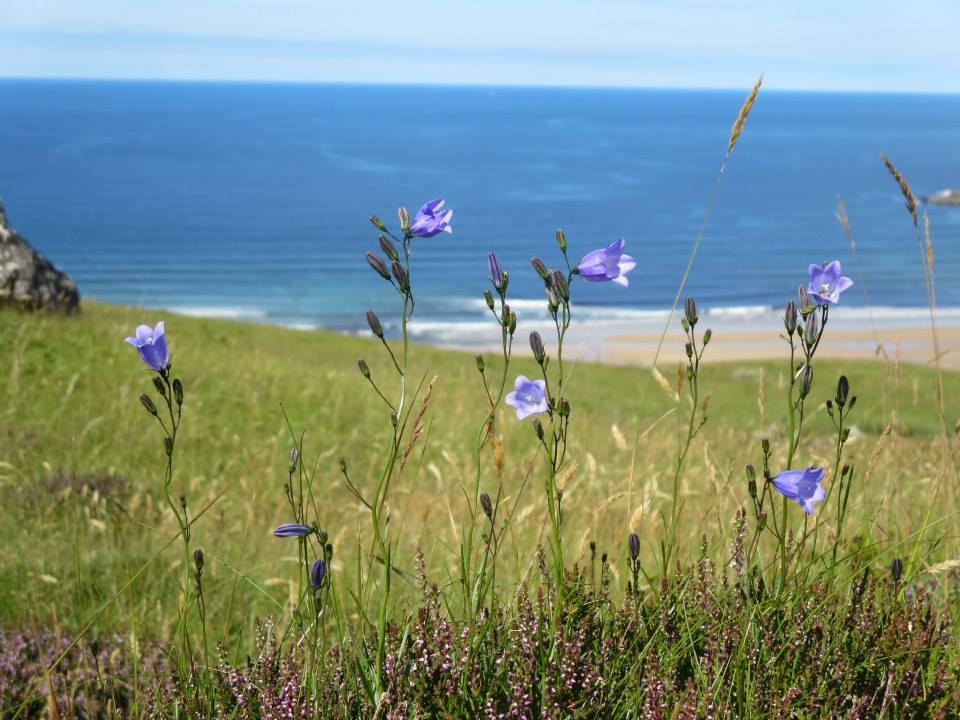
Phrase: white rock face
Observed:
(27, 279)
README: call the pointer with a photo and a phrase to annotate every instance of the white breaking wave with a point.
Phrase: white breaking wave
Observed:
(220, 313)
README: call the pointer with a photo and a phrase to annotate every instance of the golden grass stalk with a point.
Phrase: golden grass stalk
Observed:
(735, 133)
(417, 424)
(908, 195)
(844, 221)
(926, 261)
(743, 114)
(762, 399)
(664, 384)
(925, 244)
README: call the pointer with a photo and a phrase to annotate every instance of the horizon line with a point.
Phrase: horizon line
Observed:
(466, 84)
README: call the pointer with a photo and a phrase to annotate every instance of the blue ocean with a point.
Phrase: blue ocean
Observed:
(251, 200)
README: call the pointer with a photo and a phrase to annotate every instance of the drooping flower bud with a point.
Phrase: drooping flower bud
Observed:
(404, 218)
(896, 569)
(377, 223)
(318, 571)
(380, 267)
(294, 457)
(810, 329)
(401, 275)
(538, 429)
(486, 504)
(496, 275)
(751, 481)
(388, 248)
(479, 359)
(148, 404)
(558, 281)
(690, 311)
(562, 240)
(803, 300)
(158, 384)
(488, 298)
(843, 389)
(707, 336)
(168, 445)
(790, 317)
(806, 381)
(513, 323)
(374, 322)
(564, 408)
(198, 559)
(364, 369)
(553, 301)
(343, 465)
(633, 543)
(765, 445)
(297, 530)
(178, 391)
(536, 345)
(540, 268)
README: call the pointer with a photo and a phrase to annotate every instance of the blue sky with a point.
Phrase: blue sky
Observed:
(865, 45)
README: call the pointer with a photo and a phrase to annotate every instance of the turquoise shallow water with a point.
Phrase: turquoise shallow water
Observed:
(250, 200)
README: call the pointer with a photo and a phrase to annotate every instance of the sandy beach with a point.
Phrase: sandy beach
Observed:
(908, 344)
(754, 337)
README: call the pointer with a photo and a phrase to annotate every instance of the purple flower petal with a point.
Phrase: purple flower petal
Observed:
(826, 283)
(607, 264)
(292, 530)
(318, 571)
(528, 397)
(801, 486)
(431, 220)
(152, 345)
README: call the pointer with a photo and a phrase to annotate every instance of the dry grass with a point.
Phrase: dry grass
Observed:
(741, 120)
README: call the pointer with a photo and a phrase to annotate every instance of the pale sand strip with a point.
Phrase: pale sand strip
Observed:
(909, 344)
(623, 343)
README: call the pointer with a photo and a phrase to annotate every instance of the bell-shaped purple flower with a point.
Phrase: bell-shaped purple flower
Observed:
(529, 397)
(431, 220)
(152, 346)
(801, 486)
(318, 571)
(609, 263)
(292, 530)
(826, 283)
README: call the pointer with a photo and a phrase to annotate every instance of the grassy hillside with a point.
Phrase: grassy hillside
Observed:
(81, 462)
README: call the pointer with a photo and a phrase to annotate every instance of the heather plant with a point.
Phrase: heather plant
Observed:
(781, 626)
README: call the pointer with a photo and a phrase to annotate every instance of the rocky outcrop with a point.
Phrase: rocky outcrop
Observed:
(27, 279)
(944, 197)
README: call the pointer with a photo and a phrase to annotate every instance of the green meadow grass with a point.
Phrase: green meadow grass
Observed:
(81, 465)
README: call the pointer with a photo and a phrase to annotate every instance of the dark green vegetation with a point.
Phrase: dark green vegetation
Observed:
(81, 469)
